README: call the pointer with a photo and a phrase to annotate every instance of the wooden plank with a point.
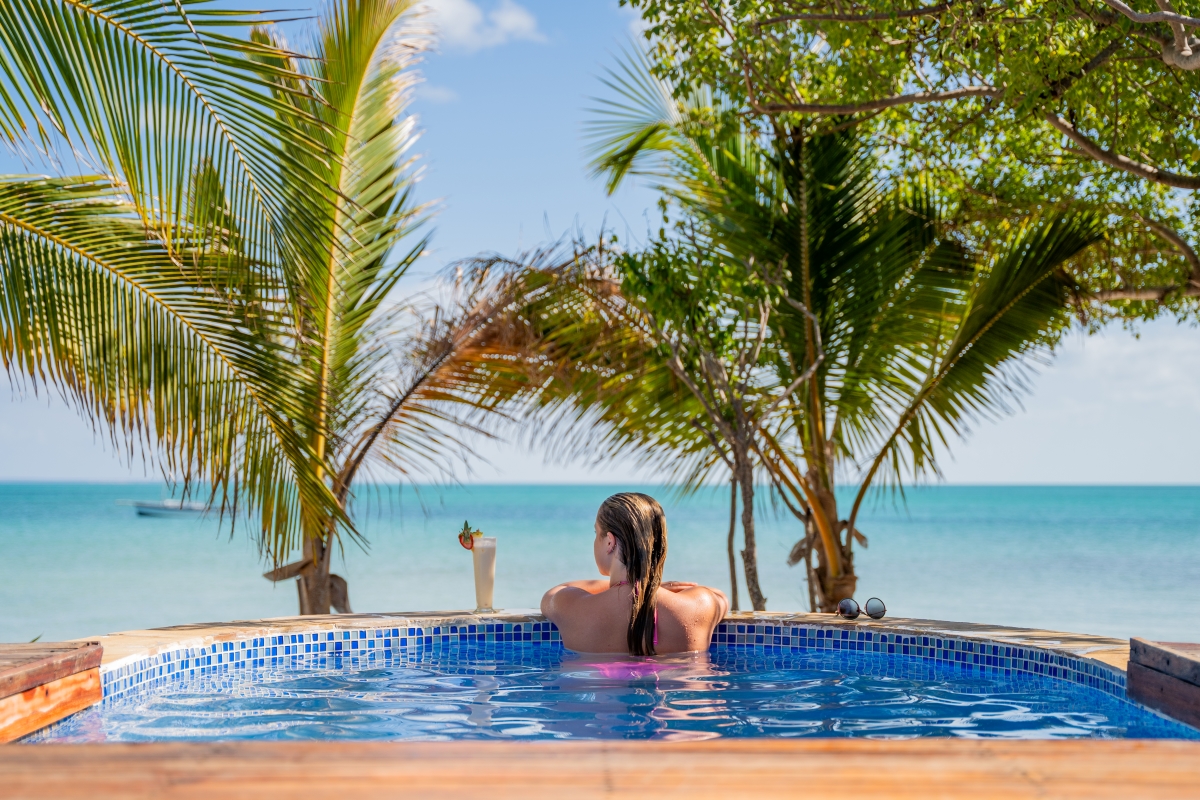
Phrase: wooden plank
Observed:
(760, 768)
(31, 710)
(1165, 693)
(1178, 659)
(24, 666)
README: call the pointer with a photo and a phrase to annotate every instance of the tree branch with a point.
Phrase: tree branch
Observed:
(716, 375)
(675, 364)
(1179, 33)
(1179, 53)
(927, 11)
(812, 368)
(1155, 16)
(1172, 236)
(916, 98)
(835, 110)
(1177, 49)
(713, 441)
(764, 318)
(1060, 87)
(1121, 162)
(1155, 293)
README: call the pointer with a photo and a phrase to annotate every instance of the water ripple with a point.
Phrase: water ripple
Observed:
(524, 692)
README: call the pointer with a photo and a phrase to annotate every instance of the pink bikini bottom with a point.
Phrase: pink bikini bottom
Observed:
(631, 670)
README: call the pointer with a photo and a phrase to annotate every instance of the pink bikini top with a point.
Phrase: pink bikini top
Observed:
(635, 591)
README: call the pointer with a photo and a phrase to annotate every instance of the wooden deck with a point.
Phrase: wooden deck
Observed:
(924, 768)
(43, 683)
(24, 666)
(1166, 676)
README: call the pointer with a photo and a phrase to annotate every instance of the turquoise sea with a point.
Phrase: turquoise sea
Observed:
(1117, 561)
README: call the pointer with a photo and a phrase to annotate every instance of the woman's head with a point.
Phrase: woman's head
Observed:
(639, 527)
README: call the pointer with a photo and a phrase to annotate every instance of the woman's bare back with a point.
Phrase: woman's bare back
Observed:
(593, 617)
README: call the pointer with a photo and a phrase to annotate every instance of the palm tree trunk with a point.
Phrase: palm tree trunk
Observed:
(733, 581)
(810, 574)
(313, 584)
(745, 478)
(832, 590)
(318, 588)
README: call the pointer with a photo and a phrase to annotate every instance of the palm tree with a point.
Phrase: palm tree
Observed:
(921, 332)
(222, 293)
(144, 290)
(373, 391)
(892, 328)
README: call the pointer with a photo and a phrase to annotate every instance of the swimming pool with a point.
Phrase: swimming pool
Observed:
(513, 680)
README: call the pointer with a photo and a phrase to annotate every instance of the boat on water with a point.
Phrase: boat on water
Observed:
(164, 508)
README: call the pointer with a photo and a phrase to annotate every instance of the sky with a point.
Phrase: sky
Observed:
(503, 106)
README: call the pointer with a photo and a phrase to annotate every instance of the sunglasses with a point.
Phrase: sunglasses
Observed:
(848, 609)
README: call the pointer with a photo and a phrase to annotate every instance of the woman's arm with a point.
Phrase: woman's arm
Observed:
(722, 602)
(595, 586)
(565, 595)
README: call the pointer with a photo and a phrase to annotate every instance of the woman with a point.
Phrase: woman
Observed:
(633, 611)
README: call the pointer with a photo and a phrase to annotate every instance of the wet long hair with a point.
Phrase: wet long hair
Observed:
(638, 523)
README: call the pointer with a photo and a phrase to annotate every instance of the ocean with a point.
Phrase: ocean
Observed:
(1115, 561)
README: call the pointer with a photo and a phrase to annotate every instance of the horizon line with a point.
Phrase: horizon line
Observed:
(612, 484)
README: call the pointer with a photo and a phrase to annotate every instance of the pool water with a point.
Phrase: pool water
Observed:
(524, 691)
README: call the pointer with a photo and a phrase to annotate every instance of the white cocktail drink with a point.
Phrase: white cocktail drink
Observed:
(483, 555)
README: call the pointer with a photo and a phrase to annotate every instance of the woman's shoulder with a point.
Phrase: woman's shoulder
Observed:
(694, 600)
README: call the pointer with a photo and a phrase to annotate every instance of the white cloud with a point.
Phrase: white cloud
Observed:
(1108, 409)
(463, 25)
(637, 25)
(436, 94)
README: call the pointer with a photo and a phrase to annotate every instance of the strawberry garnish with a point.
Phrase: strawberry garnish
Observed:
(466, 537)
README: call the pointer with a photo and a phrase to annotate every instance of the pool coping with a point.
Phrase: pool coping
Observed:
(134, 659)
(123, 645)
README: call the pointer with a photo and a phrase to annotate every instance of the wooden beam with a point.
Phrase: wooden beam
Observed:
(1171, 696)
(23, 666)
(33, 709)
(1166, 677)
(1177, 659)
(43, 683)
(759, 768)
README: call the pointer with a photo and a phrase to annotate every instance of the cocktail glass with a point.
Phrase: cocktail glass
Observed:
(483, 555)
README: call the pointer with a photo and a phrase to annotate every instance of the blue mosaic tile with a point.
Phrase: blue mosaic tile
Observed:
(362, 645)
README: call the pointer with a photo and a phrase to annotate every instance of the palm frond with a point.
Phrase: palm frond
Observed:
(564, 356)
(1011, 310)
(634, 131)
(350, 95)
(93, 306)
(152, 92)
(182, 118)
